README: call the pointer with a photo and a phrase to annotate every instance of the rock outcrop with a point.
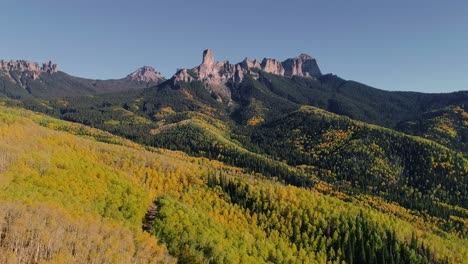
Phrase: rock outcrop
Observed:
(302, 65)
(208, 58)
(22, 72)
(248, 64)
(272, 66)
(22, 69)
(213, 72)
(146, 74)
(183, 76)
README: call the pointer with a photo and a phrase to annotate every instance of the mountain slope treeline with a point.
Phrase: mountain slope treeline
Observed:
(300, 145)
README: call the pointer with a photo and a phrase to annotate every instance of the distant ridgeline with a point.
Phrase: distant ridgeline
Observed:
(25, 79)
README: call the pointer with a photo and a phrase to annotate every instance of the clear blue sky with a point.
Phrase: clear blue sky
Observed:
(394, 45)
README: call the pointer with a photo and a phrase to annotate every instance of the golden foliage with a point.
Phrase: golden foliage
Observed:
(255, 121)
(42, 233)
(164, 112)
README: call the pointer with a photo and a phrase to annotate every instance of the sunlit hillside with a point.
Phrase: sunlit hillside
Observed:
(73, 194)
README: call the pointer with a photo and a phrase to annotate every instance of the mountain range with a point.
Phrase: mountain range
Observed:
(25, 79)
(295, 81)
(255, 162)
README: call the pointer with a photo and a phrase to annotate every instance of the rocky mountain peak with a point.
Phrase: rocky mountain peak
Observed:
(27, 68)
(146, 74)
(22, 71)
(49, 67)
(304, 56)
(272, 66)
(248, 64)
(302, 65)
(208, 58)
(221, 72)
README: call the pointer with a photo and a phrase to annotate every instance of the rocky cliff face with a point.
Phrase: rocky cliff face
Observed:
(21, 69)
(213, 72)
(302, 65)
(248, 64)
(272, 66)
(146, 74)
(183, 75)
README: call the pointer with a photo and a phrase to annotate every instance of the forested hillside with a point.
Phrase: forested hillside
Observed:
(269, 134)
(357, 100)
(253, 151)
(448, 126)
(66, 199)
(206, 211)
(306, 184)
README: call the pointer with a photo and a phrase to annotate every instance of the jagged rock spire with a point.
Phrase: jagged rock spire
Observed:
(208, 58)
(28, 67)
(221, 72)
